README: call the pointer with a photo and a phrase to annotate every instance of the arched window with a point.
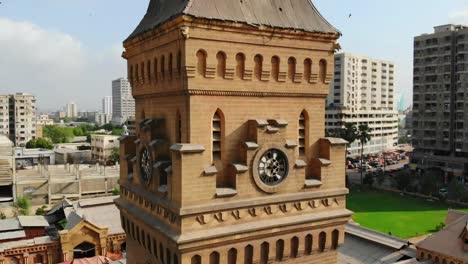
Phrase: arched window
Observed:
(436, 260)
(294, 247)
(143, 239)
(221, 67)
(240, 67)
(422, 256)
(258, 59)
(322, 70)
(335, 238)
(214, 258)
(179, 127)
(130, 73)
(162, 67)
(201, 65)
(155, 69)
(232, 256)
(322, 241)
(429, 257)
(279, 250)
(308, 244)
(133, 231)
(248, 254)
(171, 68)
(161, 252)
(176, 259)
(302, 133)
(264, 253)
(291, 68)
(218, 135)
(148, 70)
(168, 256)
(142, 68)
(137, 73)
(275, 64)
(179, 62)
(196, 259)
(444, 261)
(148, 239)
(307, 69)
(155, 247)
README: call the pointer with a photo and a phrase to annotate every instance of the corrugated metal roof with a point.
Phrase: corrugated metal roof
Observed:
(285, 14)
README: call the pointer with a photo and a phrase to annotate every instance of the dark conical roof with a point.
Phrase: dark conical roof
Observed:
(286, 14)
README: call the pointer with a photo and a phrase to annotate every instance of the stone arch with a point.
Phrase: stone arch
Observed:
(196, 259)
(84, 250)
(248, 254)
(335, 238)
(240, 66)
(322, 70)
(294, 247)
(275, 68)
(258, 69)
(232, 256)
(308, 244)
(264, 253)
(279, 250)
(221, 66)
(214, 257)
(322, 241)
(291, 68)
(307, 69)
(436, 260)
(201, 62)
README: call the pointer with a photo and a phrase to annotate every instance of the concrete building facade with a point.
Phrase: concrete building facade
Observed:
(18, 117)
(71, 110)
(107, 105)
(102, 119)
(363, 92)
(4, 115)
(230, 163)
(123, 104)
(102, 145)
(439, 103)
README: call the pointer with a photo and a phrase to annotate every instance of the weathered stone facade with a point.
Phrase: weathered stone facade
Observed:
(230, 163)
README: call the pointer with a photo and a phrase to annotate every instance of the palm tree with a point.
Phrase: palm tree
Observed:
(349, 133)
(364, 136)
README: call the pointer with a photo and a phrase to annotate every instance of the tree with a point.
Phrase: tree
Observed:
(456, 189)
(403, 180)
(430, 181)
(41, 210)
(58, 134)
(364, 136)
(115, 155)
(31, 144)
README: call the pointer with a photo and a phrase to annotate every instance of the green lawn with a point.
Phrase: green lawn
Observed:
(405, 217)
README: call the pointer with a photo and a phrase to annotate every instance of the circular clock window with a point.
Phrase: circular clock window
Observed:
(273, 167)
(146, 166)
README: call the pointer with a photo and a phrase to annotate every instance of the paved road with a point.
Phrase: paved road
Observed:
(355, 177)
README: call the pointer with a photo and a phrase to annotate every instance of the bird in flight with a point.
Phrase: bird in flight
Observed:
(350, 15)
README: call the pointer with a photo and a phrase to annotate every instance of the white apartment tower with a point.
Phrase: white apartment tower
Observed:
(363, 92)
(18, 117)
(123, 104)
(107, 105)
(71, 110)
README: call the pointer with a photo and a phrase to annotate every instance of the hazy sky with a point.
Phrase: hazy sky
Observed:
(69, 50)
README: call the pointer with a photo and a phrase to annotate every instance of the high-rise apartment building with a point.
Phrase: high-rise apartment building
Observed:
(18, 117)
(230, 163)
(363, 92)
(123, 103)
(440, 109)
(71, 110)
(107, 105)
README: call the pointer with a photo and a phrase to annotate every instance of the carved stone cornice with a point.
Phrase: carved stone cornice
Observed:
(200, 92)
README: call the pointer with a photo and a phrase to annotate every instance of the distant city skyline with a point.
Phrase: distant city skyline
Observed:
(80, 64)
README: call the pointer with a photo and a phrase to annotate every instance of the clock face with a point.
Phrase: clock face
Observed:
(146, 166)
(273, 167)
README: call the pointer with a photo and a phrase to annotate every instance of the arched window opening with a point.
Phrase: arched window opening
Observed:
(422, 256)
(248, 254)
(279, 250)
(214, 258)
(275, 64)
(322, 241)
(130, 74)
(291, 68)
(201, 65)
(196, 259)
(143, 239)
(335, 239)
(162, 67)
(240, 67)
(137, 73)
(84, 250)
(232, 256)
(307, 69)
(138, 234)
(168, 256)
(429, 257)
(221, 67)
(148, 70)
(258, 59)
(322, 70)
(294, 247)
(133, 231)
(302, 135)
(176, 259)
(179, 62)
(155, 247)
(148, 239)
(142, 68)
(155, 69)
(308, 245)
(264, 253)
(179, 127)
(171, 70)
(218, 135)
(444, 261)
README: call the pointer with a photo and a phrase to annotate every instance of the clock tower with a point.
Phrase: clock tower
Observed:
(229, 163)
